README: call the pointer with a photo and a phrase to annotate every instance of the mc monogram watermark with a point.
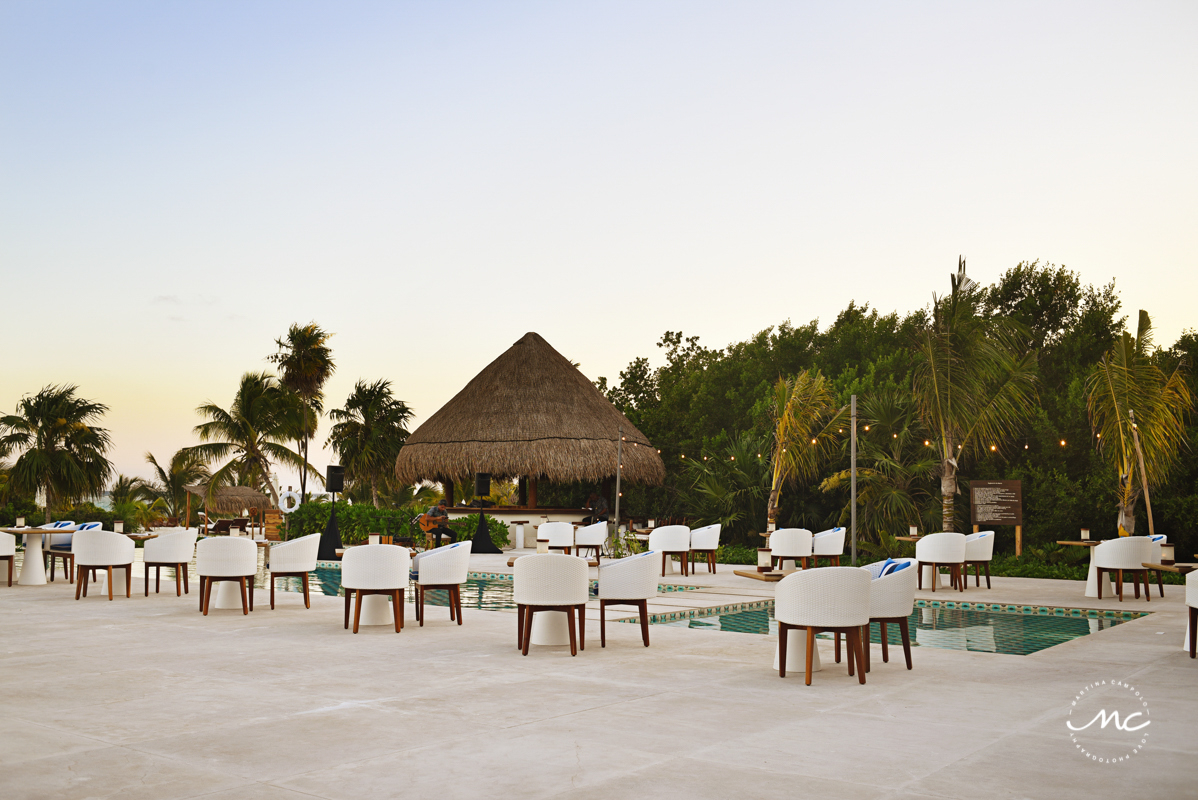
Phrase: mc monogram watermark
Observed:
(1108, 722)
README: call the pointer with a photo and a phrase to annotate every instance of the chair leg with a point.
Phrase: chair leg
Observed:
(349, 593)
(836, 638)
(573, 632)
(865, 642)
(906, 640)
(206, 594)
(582, 626)
(986, 565)
(457, 598)
(129, 579)
(1193, 632)
(250, 578)
(603, 623)
(528, 612)
(271, 577)
(935, 576)
(1119, 584)
(783, 628)
(200, 592)
(519, 622)
(157, 579)
(186, 587)
(178, 580)
(862, 657)
(420, 615)
(919, 575)
(810, 651)
(245, 608)
(357, 610)
(307, 597)
(147, 579)
(1100, 572)
(643, 605)
(399, 594)
(852, 652)
(1135, 579)
(663, 564)
(885, 644)
(1160, 582)
(79, 583)
(396, 608)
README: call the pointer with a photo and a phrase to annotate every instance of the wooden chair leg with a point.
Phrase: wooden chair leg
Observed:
(906, 640)
(178, 580)
(885, 644)
(1160, 582)
(519, 619)
(1100, 572)
(643, 605)
(147, 579)
(603, 623)
(157, 579)
(250, 578)
(582, 626)
(420, 614)
(79, 583)
(200, 592)
(457, 598)
(396, 608)
(1135, 579)
(852, 652)
(528, 612)
(919, 575)
(307, 597)
(399, 594)
(836, 638)
(862, 656)
(186, 587)
(663, 564)
(109, 583)
(783, 629)
(271, 577)
(245, 608)
(357, 610)
(1193, 632)
(935, 576)
(865, 643)
(810, 651)
(986, 565)
(129, 579)
(573, 632)
(349, 593)
(206, 594)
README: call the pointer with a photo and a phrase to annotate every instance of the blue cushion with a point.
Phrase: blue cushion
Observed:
(887, 566)
(899, 565)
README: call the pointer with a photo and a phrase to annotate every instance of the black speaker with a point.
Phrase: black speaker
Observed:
(334, 479)
(482, 484)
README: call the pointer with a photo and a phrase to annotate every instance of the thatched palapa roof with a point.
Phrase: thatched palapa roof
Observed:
(230, 499)
(529, 412)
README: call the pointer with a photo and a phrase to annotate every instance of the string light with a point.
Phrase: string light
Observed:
(731, 458)
(926, 443)
(1025, 445)
(993, 448)
(813, 441)
(867, 427)
(894, 435)
(1062, 443)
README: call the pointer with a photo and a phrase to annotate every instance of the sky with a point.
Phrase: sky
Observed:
(180, 182)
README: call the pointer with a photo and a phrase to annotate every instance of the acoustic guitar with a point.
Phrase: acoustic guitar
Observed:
(429, 524)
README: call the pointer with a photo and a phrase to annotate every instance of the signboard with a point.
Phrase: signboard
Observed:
(996, 502)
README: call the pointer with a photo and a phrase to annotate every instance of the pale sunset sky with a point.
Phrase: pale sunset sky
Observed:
(181, 181)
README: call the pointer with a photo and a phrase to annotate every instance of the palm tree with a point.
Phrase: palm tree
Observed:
(252, 431)
(133, 501)
(368, 433)
(62, 450)
(730, 488)
(184, 469)
(807, 426)
(1130, 396)
(973, 387)
(306, 363)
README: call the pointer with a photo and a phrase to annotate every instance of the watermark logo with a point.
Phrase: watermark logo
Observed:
(1108, 722)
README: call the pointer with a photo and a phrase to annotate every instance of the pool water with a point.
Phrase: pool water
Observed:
(976, 627)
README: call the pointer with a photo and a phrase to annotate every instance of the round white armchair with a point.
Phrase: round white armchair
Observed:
(553, 583)
(832, 599)
(222, 559)
(174, 551)
(98, 549)
(938, 550)
(294, 559)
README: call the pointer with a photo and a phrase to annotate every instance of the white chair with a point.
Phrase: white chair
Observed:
(630, 581)
(59, 546)
(828, 544)
(891, 600)
(175, 551)
(938, 550)
(979, 552)
(559, 534)
(592, 537)
(443, 568)
(790, 543)
(1125, 554)
(1191, 601)
(8, 551)
(294, 559)
(549, 582)
(226, 558)
(705, 541)
(834, 599)
(375, 569)
(671, 540)
(102, 550)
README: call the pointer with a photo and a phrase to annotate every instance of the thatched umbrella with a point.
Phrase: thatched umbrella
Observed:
(530, 412)
(226, 499)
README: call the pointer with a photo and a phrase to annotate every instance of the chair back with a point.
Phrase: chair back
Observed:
(445, 565)
(65, 523)
(102, 548)
(592, 535)
(706, 538)
(559, 534)
(979, 546)
(892, 594)
(790, 543)
(941, 548)
(670, 539)
(375, 566)
(173, 548)
(1192, 589)
(297, 555)
(828, 543)
(549, 579)
(1155, 548)
(8, 544)
(226, 557)
(631, 578)
(91, 526)
(829, 597)
(1127, 552)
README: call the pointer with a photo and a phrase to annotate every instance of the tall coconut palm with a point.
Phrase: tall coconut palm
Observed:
(368, 433)
(1128, 381)
(974, 385)
(62, 450)
(306, 363)
(185, 468)
(807, 426)
(252, 432)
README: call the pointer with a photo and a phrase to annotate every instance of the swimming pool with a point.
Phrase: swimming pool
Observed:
(948, 625)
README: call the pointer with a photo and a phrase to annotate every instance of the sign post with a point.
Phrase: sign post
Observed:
(998, 503)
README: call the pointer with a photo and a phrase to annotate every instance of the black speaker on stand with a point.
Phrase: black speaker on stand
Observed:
(330, 540)
(482, 536)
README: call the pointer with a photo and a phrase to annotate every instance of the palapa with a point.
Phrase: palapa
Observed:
(529, 412)
(230, 499)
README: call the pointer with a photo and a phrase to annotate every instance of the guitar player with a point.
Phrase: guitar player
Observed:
(438, 516)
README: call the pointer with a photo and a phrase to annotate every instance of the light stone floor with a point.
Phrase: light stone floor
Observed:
(146, 698)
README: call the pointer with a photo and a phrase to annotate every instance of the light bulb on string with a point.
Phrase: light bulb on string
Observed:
(1062, 443)
(926, 443)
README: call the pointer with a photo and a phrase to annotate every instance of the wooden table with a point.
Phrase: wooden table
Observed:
(511, 562)
(768, 577)
(1092, 576)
